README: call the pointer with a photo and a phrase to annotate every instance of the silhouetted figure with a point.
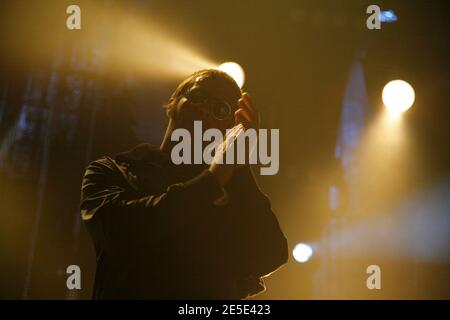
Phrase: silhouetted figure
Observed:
(166, 231)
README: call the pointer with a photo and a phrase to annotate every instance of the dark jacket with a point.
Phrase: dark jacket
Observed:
(160, 232)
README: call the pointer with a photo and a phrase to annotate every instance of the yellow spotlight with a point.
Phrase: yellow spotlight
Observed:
(302, 252)
(398, 96)
(235, 71)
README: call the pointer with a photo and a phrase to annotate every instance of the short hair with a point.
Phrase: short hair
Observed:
(187, 84)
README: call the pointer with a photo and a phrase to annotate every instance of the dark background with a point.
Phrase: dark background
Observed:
(65, 100)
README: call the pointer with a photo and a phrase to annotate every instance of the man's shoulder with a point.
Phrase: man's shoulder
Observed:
(122, 164)
(104, 165)
(142, 153)
(119, 167)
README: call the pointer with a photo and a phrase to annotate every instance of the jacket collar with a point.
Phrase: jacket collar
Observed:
(143, 153)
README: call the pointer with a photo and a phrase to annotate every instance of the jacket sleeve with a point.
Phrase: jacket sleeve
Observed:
(260, 247)
(120, 222)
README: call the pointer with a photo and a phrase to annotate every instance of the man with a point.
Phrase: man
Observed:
(166, 231)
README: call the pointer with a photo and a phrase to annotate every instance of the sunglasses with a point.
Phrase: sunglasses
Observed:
(220, 109)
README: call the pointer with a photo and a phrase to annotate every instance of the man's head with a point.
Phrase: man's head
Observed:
(208, 95)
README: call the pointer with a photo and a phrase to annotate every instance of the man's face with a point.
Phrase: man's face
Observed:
(210, 100)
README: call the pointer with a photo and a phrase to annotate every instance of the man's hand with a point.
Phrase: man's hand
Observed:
(219, 168)
(247, 113)
(246, 117)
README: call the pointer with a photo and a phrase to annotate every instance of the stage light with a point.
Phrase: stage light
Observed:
(302, 252)
(235, 71)
(398, 96)
(388, 16)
